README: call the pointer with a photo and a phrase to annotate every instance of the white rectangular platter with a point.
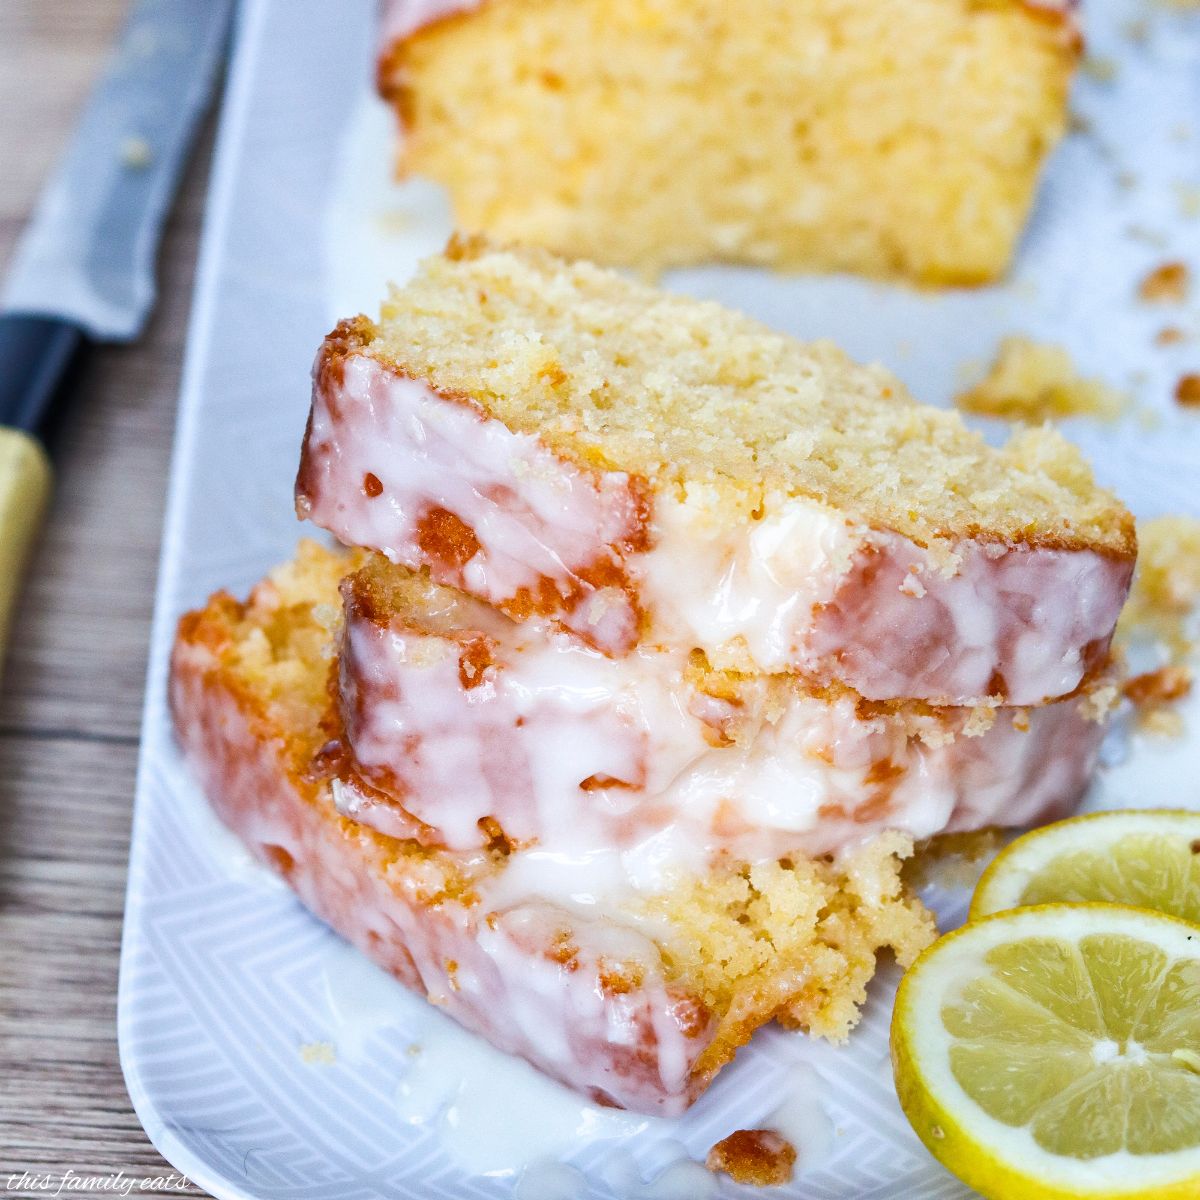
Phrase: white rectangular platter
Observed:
(264, 1058)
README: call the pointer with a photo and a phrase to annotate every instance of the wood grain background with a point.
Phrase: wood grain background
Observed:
(71, 693)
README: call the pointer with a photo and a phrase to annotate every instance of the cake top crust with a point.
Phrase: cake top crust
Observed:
(401, 19)
(615, 375)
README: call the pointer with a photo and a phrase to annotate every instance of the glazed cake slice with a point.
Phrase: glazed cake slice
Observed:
(481, 729)
(891, 138)
(648, 470)
(636, 1003)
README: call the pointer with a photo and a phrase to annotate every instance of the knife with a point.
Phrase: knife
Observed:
(83, 271)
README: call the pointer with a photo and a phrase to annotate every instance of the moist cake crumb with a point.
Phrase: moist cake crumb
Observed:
(612, 373)
(657, 133)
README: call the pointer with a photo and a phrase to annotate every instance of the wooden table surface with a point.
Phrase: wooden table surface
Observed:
(71, 694)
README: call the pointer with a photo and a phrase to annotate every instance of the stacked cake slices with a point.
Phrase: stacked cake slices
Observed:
(660, 640)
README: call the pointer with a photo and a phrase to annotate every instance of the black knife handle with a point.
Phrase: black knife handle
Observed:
(35, 355)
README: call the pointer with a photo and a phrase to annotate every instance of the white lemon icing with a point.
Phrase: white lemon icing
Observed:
(800, 588)
(614, 774)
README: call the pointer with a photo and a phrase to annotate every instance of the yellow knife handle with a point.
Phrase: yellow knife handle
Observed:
(24, 490)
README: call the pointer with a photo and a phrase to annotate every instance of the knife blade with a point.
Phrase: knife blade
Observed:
(83, 270)
(87, 254)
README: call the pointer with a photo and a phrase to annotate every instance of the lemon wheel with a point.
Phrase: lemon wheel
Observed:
(1148, 858)
(1053, 1052)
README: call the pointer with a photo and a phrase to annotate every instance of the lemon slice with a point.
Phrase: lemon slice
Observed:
(1150, 859)
(1054, 1052)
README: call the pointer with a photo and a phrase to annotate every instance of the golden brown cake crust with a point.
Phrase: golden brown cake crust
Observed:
(1061, 16)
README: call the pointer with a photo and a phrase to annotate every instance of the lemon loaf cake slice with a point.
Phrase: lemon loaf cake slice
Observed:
(892, 138)
(483, 728)
(645, 469)
(636, 1000)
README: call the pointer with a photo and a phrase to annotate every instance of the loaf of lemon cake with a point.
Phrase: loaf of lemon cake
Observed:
(636, 999)
(896, 138)
(483, 728)
(648, 470)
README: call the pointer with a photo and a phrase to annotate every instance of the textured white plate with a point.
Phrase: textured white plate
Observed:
(267, 1060)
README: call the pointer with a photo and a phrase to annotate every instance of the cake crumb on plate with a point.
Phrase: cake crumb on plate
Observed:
(318, 1054)
(759, 1157)
(1187, 392)
(1036, 381)
(1166, 284)
(1163, 686)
